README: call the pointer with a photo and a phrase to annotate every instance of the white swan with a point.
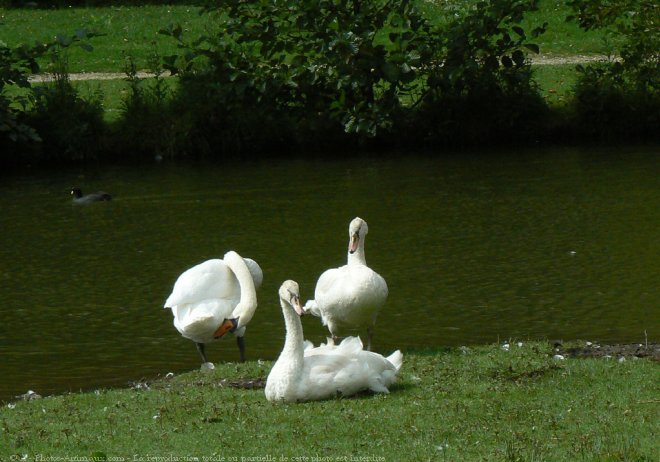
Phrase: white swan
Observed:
(216, 297)
(350, 297)
(304, 373)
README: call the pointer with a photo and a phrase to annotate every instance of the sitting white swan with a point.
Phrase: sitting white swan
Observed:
(304, 373)
(350, 297)
(216, 297)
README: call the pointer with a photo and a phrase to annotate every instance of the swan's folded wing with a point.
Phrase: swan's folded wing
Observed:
(199, 321)
(329, 282)
(350, 346)
(210, 279)
(322, 366)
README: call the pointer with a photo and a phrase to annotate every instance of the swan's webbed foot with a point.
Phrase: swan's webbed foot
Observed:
(240, 341)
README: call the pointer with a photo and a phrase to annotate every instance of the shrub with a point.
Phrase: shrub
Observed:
(71, 125)
(621, 98)
(16, 65)
(283, 73)
(479, 88)
(46, 121)
(147, 128)
(298, 72)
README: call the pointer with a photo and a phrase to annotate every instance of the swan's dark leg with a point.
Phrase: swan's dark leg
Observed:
(370, 333)
(240, 341)
(202, 353)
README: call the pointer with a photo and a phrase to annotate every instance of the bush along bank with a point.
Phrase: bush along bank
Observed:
(284, 77)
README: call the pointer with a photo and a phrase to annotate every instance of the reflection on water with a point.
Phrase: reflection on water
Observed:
(474, 247)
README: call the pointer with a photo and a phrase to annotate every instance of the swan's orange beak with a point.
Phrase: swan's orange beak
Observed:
(353, 243)
(227, 326)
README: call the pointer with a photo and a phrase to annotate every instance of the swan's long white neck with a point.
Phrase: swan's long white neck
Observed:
(357, 257)
(293, 344)
(248, 302)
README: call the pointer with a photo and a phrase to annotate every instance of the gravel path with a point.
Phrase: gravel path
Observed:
(538, 60)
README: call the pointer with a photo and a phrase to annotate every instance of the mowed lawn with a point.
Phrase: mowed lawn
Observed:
(490, 403)
(132, 32)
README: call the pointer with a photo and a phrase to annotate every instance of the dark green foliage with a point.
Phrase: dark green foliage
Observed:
(284, 73)
(147, 127)
(71, 125)
(87, 3)
(482, 90)
(282, 76)
(15, 67)
(621, 97)
(51, 121)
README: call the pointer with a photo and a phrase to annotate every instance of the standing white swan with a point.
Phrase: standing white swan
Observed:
(216, 297)
(350, 297)
(306, 373)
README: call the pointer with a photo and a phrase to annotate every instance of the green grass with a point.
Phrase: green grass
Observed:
(481, 403)
(133, 30)
(129, 31)
(562, 38)
(556, 82)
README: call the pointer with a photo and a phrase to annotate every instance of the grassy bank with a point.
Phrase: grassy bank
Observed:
(479, 403)
(133, 30)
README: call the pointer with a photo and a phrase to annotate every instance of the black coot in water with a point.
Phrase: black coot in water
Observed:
(98, 196)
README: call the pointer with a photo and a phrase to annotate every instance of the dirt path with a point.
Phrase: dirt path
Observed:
(536, 60)
(614, 351)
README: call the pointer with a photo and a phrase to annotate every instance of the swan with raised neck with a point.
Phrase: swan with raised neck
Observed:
(351, 296)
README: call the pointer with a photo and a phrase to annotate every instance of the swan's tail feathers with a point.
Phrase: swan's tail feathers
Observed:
(312, 307)
(388, 375)
(396, 359)
(376, 384)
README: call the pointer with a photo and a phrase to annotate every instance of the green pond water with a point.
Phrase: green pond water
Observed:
(475, 247)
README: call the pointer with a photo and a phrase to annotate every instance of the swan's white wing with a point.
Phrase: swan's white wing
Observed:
(348, 297)
(330, 282)
(199, 321)
(211, 279)
(346, 369)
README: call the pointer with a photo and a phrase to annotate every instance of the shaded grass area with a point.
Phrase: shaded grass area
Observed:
(555, 84)
(116, 92)
(479, 403)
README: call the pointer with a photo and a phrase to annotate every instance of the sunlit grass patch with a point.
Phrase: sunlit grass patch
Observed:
(484, 402)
